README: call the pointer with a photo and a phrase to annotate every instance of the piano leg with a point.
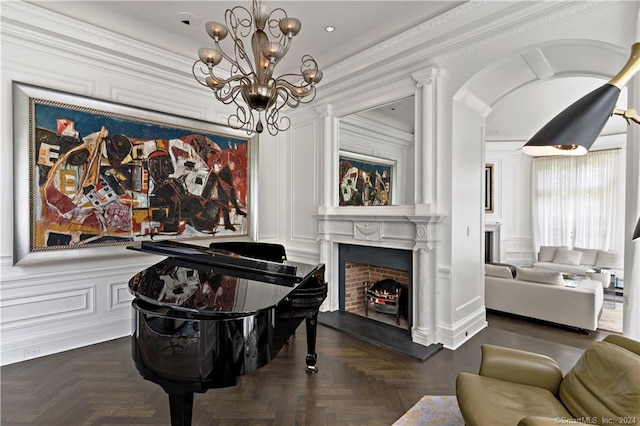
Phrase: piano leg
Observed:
(181, 408)
(312, 357)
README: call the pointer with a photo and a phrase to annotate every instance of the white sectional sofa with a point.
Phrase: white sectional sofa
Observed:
(579, 260)
(544, 295)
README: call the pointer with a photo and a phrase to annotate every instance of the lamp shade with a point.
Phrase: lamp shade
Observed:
(573, 131)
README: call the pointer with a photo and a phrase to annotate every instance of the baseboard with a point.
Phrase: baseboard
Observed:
(458, 333)
(34, 345)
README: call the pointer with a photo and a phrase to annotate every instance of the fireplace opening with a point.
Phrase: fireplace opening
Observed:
(488, 247)
(375, 283)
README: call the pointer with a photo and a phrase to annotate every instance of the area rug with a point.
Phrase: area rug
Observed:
(611, 319)
(433, 410)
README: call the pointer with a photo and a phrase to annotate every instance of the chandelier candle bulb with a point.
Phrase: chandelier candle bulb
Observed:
(209, 56)
(216, 30)
(290, 26)
(251, 87)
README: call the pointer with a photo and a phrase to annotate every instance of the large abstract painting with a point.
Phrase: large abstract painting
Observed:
(364, 180)
(99, 177)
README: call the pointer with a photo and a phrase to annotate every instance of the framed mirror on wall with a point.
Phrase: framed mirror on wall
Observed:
(376, 156)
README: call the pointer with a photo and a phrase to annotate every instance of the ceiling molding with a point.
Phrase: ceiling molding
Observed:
(538, 63)
(51, 33)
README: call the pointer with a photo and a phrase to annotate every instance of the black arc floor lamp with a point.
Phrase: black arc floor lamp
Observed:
(574, 130)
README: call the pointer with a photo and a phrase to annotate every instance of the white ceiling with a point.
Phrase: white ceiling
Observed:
(359, 25)
(521, 113)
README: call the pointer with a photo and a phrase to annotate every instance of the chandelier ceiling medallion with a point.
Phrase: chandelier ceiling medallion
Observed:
(251, 85)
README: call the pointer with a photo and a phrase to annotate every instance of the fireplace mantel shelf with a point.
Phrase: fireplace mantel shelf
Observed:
(398, 230)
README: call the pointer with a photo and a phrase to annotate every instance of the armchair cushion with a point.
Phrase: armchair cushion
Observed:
(488, 401)
(518, 366)
(604, 383)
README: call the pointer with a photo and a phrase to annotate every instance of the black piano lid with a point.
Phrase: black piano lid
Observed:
(213, 287)
(217, 257)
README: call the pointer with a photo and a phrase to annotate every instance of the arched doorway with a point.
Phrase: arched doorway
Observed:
(532, 67)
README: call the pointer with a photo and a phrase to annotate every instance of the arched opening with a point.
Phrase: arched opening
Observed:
(558, 73)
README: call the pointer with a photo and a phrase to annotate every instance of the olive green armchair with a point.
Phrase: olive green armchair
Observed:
(521, 388)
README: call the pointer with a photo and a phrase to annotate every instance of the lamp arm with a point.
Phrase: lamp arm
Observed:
(628, 114)
(629, 70)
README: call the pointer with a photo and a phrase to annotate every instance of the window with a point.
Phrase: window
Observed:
(576, 200)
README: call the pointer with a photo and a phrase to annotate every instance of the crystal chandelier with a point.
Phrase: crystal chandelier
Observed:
(251, 85)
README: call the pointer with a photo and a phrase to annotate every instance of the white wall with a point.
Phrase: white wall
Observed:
(512, 200)
(463, 102)
(53, 307)
(72, 300)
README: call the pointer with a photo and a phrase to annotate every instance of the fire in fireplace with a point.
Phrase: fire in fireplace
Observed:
(386, 296)
(362, 269)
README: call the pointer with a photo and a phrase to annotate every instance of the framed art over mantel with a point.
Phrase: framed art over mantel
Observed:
(97, 173)
(365, 180)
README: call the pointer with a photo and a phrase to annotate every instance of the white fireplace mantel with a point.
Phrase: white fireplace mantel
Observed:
(496, 246)
(418, 234)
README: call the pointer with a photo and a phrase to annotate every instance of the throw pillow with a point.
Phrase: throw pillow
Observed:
(540, 276)
(588, 256)
(546, 253)
(567, 257)
(499, 271)
(610, 259)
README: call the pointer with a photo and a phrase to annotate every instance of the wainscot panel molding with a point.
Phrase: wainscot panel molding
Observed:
(73, 298)
(465, 43)
(305, 183)
(270, 175)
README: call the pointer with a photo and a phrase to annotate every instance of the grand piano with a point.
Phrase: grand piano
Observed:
(204, 316)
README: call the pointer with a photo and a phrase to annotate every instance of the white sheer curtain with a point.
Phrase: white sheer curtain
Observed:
(575, 200)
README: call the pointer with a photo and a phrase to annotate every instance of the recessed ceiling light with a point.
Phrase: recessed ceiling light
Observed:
(188, 18)
(329, 28)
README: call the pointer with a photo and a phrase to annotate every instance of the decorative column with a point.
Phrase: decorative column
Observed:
(425, 119)
(424, 329)
(328, 250)
(329, 150)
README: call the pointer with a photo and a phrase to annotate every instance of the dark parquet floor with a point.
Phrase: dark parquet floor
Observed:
(358, 383)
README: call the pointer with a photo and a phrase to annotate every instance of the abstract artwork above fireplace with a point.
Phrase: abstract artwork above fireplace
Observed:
(365, 180)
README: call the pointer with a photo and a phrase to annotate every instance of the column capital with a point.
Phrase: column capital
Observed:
(324, 110)
(427, 76)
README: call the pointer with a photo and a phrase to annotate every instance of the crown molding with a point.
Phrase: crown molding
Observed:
(470, 27)
(41, 31)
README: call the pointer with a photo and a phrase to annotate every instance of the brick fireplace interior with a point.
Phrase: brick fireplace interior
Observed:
(360, 267)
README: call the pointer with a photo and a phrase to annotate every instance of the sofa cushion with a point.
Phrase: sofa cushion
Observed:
(567, 257)
(499, 271)
(610, 259)
(603, 384)
(540, 276)
(588, 255)
(546, 253)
